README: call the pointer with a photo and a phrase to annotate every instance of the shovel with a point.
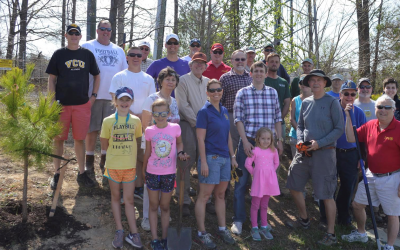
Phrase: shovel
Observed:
(180, 238)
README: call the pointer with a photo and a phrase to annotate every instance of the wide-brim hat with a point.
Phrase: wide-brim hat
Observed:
(317, 72)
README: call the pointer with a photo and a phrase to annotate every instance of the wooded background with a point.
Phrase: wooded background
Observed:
(358, 37)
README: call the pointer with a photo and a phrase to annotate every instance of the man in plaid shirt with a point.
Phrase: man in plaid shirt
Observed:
(255, 106)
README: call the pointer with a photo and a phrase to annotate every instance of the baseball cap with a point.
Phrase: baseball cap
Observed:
(364, 80)
(269, 45)
(302, 78)
(337, 76)
(348, 85)
(199, 56)
(216, 46)
(144, 43)
(195, 40)
(250, 49)
(307, 60)
(124, 91)
(317, 72)
(172, 35)
(73, 26)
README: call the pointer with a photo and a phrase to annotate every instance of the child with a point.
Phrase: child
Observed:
(163, 141)
(265, 181)
(118, 136)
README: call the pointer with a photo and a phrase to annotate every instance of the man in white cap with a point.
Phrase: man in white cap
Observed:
(307, 65)
(251, 55)
(180, 66)
(146, 62)
(195, 46)
(337, 82)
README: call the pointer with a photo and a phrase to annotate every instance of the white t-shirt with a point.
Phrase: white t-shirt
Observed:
(111, 59)
(141, 83)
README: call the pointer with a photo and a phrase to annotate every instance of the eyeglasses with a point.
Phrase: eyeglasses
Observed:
(162, 114)
(384, 107)
(217, 52)
(146, 49)
(174, 43)
(104, 29)
(133, 55)
(365, 87)
(72, 33)
(195, 45)
(348, 94)
(214, 90)
(268, 50)
(240, 59)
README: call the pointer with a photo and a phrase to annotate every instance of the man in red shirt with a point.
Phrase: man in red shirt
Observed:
(382, 138)
(216, 68)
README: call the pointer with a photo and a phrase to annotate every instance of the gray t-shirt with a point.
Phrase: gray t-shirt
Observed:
(368, 108)
(320, 120)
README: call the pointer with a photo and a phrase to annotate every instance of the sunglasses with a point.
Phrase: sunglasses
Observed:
(162, 114)
(240, 59)
(195, 45)
(146, 49)
(217, 52)
(365, 87)
(348, 94)
(133, 55)
(72, 33)
(174, 43)
(104, 29)
(214, 90)
(384, 107)
(268, 50)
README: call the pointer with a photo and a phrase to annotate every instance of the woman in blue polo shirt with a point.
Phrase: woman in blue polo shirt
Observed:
(214, 166)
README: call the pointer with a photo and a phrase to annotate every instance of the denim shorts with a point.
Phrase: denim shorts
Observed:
(219, 169)
(165, 183)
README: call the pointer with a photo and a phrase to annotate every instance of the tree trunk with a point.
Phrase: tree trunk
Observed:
(113, 19)
(310, 32)
(11, 34)
(91, 20)
(209, 29)
(176, 5)
(132, 18)
(203, 21)
(250, 27)
(73, 11)
(63, 23)
(25, 189)
(120, 21)
(376, 58)
(161, 28)
(364, 53)
(23, 16)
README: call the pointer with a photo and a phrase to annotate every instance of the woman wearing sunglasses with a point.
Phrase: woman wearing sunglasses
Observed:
(214, 165)
(390, 87)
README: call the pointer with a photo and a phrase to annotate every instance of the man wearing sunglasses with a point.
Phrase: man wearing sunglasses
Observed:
(347, 161)
(269, 48)
(382, 138)
(146, 62)
(364, 100)
(172, 60)
(111, 59)
(337, 82)
(216, 67)
(69, 69)
(195, 46)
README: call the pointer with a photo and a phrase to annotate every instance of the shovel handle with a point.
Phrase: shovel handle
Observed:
(57, 192)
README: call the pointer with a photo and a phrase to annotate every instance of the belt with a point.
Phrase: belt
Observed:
(343, 150)
(387, 174)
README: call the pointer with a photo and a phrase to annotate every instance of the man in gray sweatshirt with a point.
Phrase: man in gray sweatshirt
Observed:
(320, 124)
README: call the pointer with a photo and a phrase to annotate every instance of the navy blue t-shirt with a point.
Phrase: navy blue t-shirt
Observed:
(357, 118)
(217, 126)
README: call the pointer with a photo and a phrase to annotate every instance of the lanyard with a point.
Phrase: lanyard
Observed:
(126, 123)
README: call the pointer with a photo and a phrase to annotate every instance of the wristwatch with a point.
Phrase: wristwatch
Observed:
(94, 94)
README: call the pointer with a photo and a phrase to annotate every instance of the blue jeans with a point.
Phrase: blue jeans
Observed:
(239, 205)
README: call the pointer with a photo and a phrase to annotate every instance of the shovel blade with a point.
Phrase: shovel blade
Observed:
(182, 241)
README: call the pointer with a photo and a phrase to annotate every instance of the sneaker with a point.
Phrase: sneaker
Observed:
(255, 234)
(139, 193)
(54, 181)
(156, 245)
(118, 241)
(298, 223)
(355, 236)
(237, 227)
(83, 179)
(164, 243)
(387, 247)
(134, 240)
(226, 236)
(266, 233)
(328, 240)
(210, 208)
(205, 241)
(145, 224)
(185, 210)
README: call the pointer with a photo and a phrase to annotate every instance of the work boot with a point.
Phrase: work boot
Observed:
(90, 164)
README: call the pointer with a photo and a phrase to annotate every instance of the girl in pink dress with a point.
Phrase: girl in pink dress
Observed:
(265, 181)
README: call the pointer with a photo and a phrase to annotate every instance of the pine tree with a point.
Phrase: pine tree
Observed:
(27, 128)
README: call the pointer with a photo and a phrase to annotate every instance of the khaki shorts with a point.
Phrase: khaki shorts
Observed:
(321, 168)
(100, 110)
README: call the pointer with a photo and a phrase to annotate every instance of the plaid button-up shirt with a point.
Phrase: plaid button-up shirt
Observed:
(145, 64)
(231, 83)
(256, 109)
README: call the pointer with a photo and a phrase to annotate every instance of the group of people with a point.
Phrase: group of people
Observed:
(158, 119)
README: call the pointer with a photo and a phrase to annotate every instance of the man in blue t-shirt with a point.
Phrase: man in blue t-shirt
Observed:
(347, 161)
(337, 82)
(180, 66)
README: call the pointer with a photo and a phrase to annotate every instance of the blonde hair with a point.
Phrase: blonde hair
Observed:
(159, 103)
(261, 131)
